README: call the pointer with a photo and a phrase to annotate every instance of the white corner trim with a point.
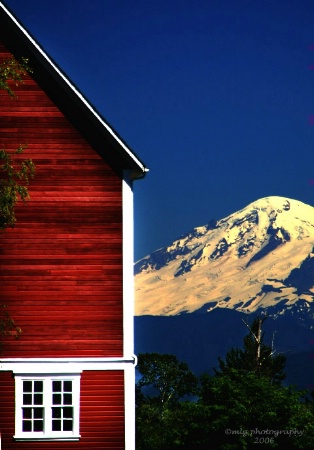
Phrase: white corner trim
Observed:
(129, 405)
(128, 261)
(128, 309)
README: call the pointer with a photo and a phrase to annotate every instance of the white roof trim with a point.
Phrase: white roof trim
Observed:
(75, 90)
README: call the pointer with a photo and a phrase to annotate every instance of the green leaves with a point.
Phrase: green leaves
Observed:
(246, 393)
(14, 178)
(255, 356)
(7, 325)
(248, 401)
(170, 378)
(12, 72)
(244, 405)
(14, 172)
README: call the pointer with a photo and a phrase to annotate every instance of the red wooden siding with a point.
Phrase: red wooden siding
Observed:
(102, 414)
(61, 266)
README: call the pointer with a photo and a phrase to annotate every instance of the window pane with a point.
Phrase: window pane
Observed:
(67, 425)
(27, 399)
(27, 425)
(56, 399)
(27, 413)
(38, 386)
(67, 399)
(56, 413)
(67, 386)
(27, 386)
(38, 425)
(38, 413)
(68, 413)
(56, 425)
(38, 399)
(56, 386)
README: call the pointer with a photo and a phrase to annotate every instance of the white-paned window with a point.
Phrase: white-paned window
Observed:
(47, 407)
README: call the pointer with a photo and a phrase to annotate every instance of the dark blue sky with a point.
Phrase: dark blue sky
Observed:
(216, 97)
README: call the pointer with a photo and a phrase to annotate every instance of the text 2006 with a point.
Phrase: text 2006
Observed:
(264, 440)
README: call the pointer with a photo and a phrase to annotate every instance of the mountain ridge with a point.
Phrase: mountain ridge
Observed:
(258, 258)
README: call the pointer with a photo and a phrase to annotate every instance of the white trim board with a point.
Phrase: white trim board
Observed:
(127, 263)
(63, 365)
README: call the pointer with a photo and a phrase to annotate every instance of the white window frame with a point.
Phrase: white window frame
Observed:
(47, 433)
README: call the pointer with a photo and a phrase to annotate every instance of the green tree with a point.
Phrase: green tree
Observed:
(241, 402)
(166, 376)
(14, 174)
(14, 178)
(256, 356)
(14, 171)
(248, 403)
(7, 325)
(12, 73)
(160, 414)
(242, 406)
(184, 426)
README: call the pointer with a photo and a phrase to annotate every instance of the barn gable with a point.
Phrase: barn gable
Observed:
(67, 96)
(66, 269)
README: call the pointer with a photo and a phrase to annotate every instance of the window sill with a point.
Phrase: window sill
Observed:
(47, 438)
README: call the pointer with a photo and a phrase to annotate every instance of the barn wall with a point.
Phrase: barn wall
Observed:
(61, 266)
(102, 414)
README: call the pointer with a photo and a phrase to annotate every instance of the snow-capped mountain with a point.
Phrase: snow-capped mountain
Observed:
(260, 257)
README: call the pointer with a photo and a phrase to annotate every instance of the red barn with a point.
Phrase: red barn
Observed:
(66, 269)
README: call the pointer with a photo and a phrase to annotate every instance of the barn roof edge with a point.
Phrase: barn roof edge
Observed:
(133, 161)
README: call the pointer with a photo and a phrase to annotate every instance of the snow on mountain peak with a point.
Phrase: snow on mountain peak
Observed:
(258, 257)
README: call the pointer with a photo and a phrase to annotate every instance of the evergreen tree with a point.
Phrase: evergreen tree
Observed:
(248, 403)
(255, 357)
(241, 407)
